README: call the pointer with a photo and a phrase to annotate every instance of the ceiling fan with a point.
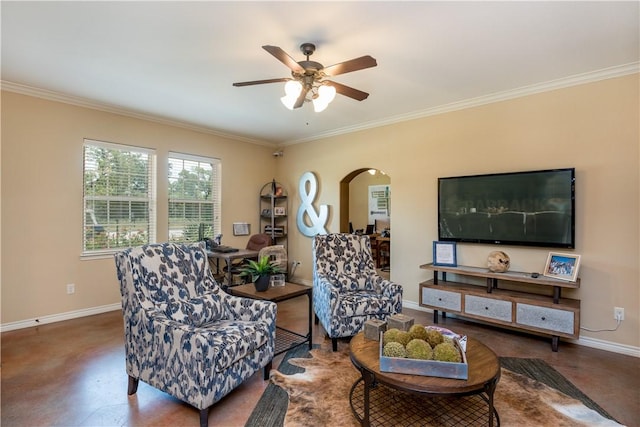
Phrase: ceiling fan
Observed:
(308, 78)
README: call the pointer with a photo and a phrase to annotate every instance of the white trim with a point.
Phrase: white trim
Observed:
(608, 346)
(584, 341)
(578, 79)
(587, 342)
(88, 142)
(52, 318)
(108, 108)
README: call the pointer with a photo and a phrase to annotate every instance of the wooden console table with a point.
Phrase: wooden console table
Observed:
(515, 308)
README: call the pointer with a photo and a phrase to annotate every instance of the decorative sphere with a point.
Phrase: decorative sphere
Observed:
(498, 262)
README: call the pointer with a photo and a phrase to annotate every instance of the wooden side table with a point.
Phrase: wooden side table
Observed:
(484, 374)
(285, 338)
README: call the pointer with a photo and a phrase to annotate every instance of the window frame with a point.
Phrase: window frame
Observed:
(150, 197)
(216, 198)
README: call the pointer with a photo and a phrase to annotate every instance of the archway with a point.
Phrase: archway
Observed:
(346, 197)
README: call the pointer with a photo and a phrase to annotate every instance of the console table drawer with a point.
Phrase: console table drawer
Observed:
(552, 319)
(442, 299)
(490, 308)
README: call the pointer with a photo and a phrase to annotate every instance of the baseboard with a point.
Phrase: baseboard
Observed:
(11, 326)
(585, 341)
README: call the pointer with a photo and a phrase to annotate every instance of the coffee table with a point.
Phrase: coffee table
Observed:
(285, 339)
(474, 396)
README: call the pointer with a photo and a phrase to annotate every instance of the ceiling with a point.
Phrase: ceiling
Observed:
(176, 61)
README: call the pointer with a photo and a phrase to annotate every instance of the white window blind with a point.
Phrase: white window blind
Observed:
(119, 197)
(194, 197)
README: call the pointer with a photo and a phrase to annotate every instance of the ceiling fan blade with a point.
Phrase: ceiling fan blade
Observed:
(284, 57)
(356, 94)
(260, 82)
(301, 97)
(351, 65)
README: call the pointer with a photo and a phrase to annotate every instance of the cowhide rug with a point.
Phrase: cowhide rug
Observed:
(319, 396)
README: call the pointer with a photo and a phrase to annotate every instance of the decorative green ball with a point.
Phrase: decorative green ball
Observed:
(434, 337)
(446, 352)
(418, 331)
(394, 349)
(396, 335)
(390, 335)
(403, 338)
(419, 349)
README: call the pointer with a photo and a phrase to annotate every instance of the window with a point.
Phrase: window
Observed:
(194, 197)
(119, 197)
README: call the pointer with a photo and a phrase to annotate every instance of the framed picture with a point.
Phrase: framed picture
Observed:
(241, 228)
(265, 212)
(444, 254)
(279, 210)
(562, 266)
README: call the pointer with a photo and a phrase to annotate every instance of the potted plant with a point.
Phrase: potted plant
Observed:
(259, 272)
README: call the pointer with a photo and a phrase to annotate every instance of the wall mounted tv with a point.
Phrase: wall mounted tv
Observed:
(533, 208)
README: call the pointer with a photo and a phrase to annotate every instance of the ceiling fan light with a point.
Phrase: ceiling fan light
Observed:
(293, 88)
(289, 101)
(319, 105)
(326, 93)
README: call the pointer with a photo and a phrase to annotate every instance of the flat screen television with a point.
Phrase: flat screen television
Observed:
(532, 208)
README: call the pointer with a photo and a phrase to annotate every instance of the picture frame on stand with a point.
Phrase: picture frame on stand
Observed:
(562, 266)
(444, 254)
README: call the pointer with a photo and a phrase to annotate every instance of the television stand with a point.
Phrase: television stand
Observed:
(546, 313)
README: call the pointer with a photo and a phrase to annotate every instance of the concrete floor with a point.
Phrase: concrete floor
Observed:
(72, 374)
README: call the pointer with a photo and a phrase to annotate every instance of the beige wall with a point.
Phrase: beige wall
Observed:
(42, 198)
(592, 127)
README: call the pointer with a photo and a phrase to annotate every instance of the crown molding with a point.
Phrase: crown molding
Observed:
(575, 80)
(108, 108)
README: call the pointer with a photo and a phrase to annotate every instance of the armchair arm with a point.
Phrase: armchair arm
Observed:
(387, 287)
(248, 309)
(325, 298)
(326, 287)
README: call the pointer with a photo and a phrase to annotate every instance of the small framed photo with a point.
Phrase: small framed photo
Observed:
(241, 228)
(562, 266)
(444, 254)
(265, 212)
(279, 210)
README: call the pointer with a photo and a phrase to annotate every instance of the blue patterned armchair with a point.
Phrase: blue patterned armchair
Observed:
(183, 334)
(347, 290)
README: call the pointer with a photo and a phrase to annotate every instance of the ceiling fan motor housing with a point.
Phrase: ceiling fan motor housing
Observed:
(307, 49)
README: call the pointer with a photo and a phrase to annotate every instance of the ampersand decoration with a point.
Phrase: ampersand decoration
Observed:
(318, 220)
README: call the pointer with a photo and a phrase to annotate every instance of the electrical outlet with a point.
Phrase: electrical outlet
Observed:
(618, 313)
(71, 288)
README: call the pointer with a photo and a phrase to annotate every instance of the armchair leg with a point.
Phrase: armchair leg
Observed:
(266, 369)
(204, 417)
(334, 344)
(133, 385)
(316, 320)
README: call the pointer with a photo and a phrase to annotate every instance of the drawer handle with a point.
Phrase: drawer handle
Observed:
(439, 299)
(543, 318)
(486, 308)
